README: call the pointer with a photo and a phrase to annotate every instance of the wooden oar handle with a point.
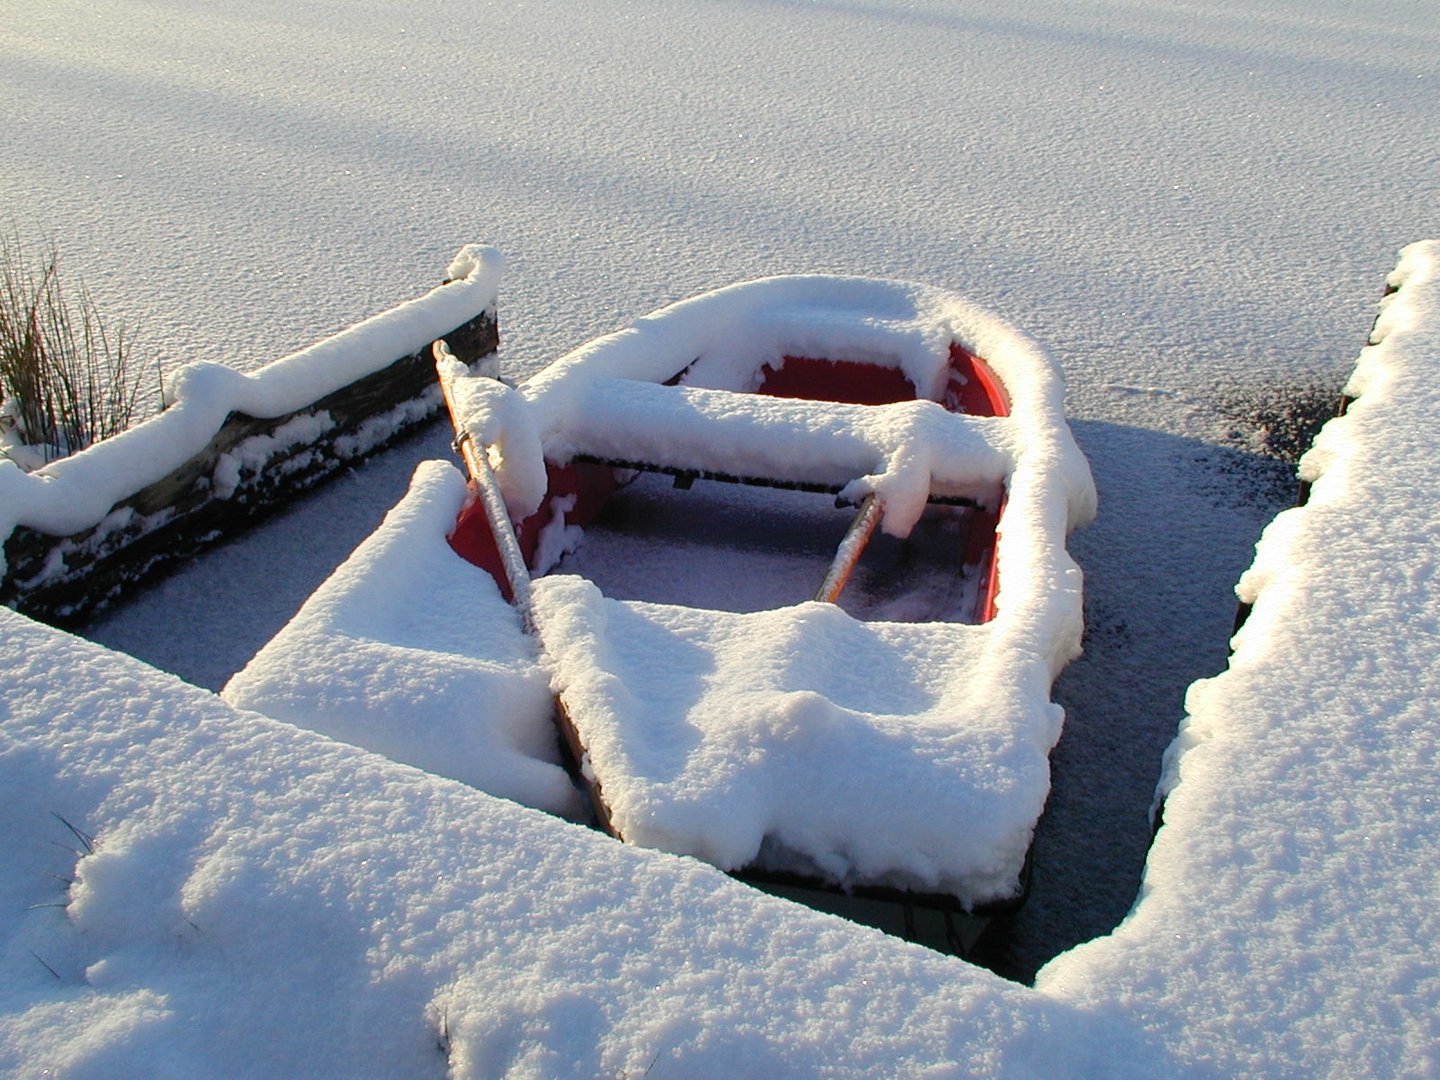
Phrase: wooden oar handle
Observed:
(512, 560)
(852, 546)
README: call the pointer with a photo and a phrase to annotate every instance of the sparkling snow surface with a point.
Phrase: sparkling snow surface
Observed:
(1192, 206)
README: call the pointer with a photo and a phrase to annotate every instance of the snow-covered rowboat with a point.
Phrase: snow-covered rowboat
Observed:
(888, 734)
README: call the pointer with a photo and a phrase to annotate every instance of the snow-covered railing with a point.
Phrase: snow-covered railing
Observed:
(231, 446)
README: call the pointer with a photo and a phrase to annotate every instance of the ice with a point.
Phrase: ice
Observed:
(1287, 910)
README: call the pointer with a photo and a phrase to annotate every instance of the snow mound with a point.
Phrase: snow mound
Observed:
(1289, 908)
(412, 652)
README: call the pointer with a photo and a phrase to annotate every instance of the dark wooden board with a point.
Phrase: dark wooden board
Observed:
(182, 513)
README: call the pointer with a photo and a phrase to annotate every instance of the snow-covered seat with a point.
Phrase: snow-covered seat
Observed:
(788, 440)
(801, 738)
(887, 754)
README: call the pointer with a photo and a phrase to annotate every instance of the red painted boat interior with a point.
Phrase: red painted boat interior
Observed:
(472, 540)
(972, 389)
(845, 381)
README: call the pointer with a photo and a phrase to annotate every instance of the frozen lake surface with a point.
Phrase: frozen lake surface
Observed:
(1194, 207)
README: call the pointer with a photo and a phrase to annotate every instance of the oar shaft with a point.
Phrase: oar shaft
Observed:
(862, 527)
(487, 488)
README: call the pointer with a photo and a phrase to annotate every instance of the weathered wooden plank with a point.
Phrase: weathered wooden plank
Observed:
(250, 468)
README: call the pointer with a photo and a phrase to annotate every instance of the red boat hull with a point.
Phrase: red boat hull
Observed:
(972, 389)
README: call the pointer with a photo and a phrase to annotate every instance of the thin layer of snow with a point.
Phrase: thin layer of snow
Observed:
(736, 547)
(75, 493)
(251, 454)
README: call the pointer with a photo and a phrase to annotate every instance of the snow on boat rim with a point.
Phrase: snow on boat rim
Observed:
(725, 339)
(721, 735)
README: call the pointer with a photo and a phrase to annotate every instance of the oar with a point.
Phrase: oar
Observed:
(852, 546)
(517, 574)
(477, 462)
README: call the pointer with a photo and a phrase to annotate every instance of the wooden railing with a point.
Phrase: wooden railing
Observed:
(249, 467)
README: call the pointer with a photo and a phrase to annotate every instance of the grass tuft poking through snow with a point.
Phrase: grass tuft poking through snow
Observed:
(66, 381)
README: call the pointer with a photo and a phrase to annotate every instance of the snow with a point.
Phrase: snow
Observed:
(77, 492)
(251, 454)
(1192, 205)
(1288, 912)
(260, 901)
(713, 734)
(174, 860)
(589, 402)
(790, 731)
(412, 652)
(496, 417)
